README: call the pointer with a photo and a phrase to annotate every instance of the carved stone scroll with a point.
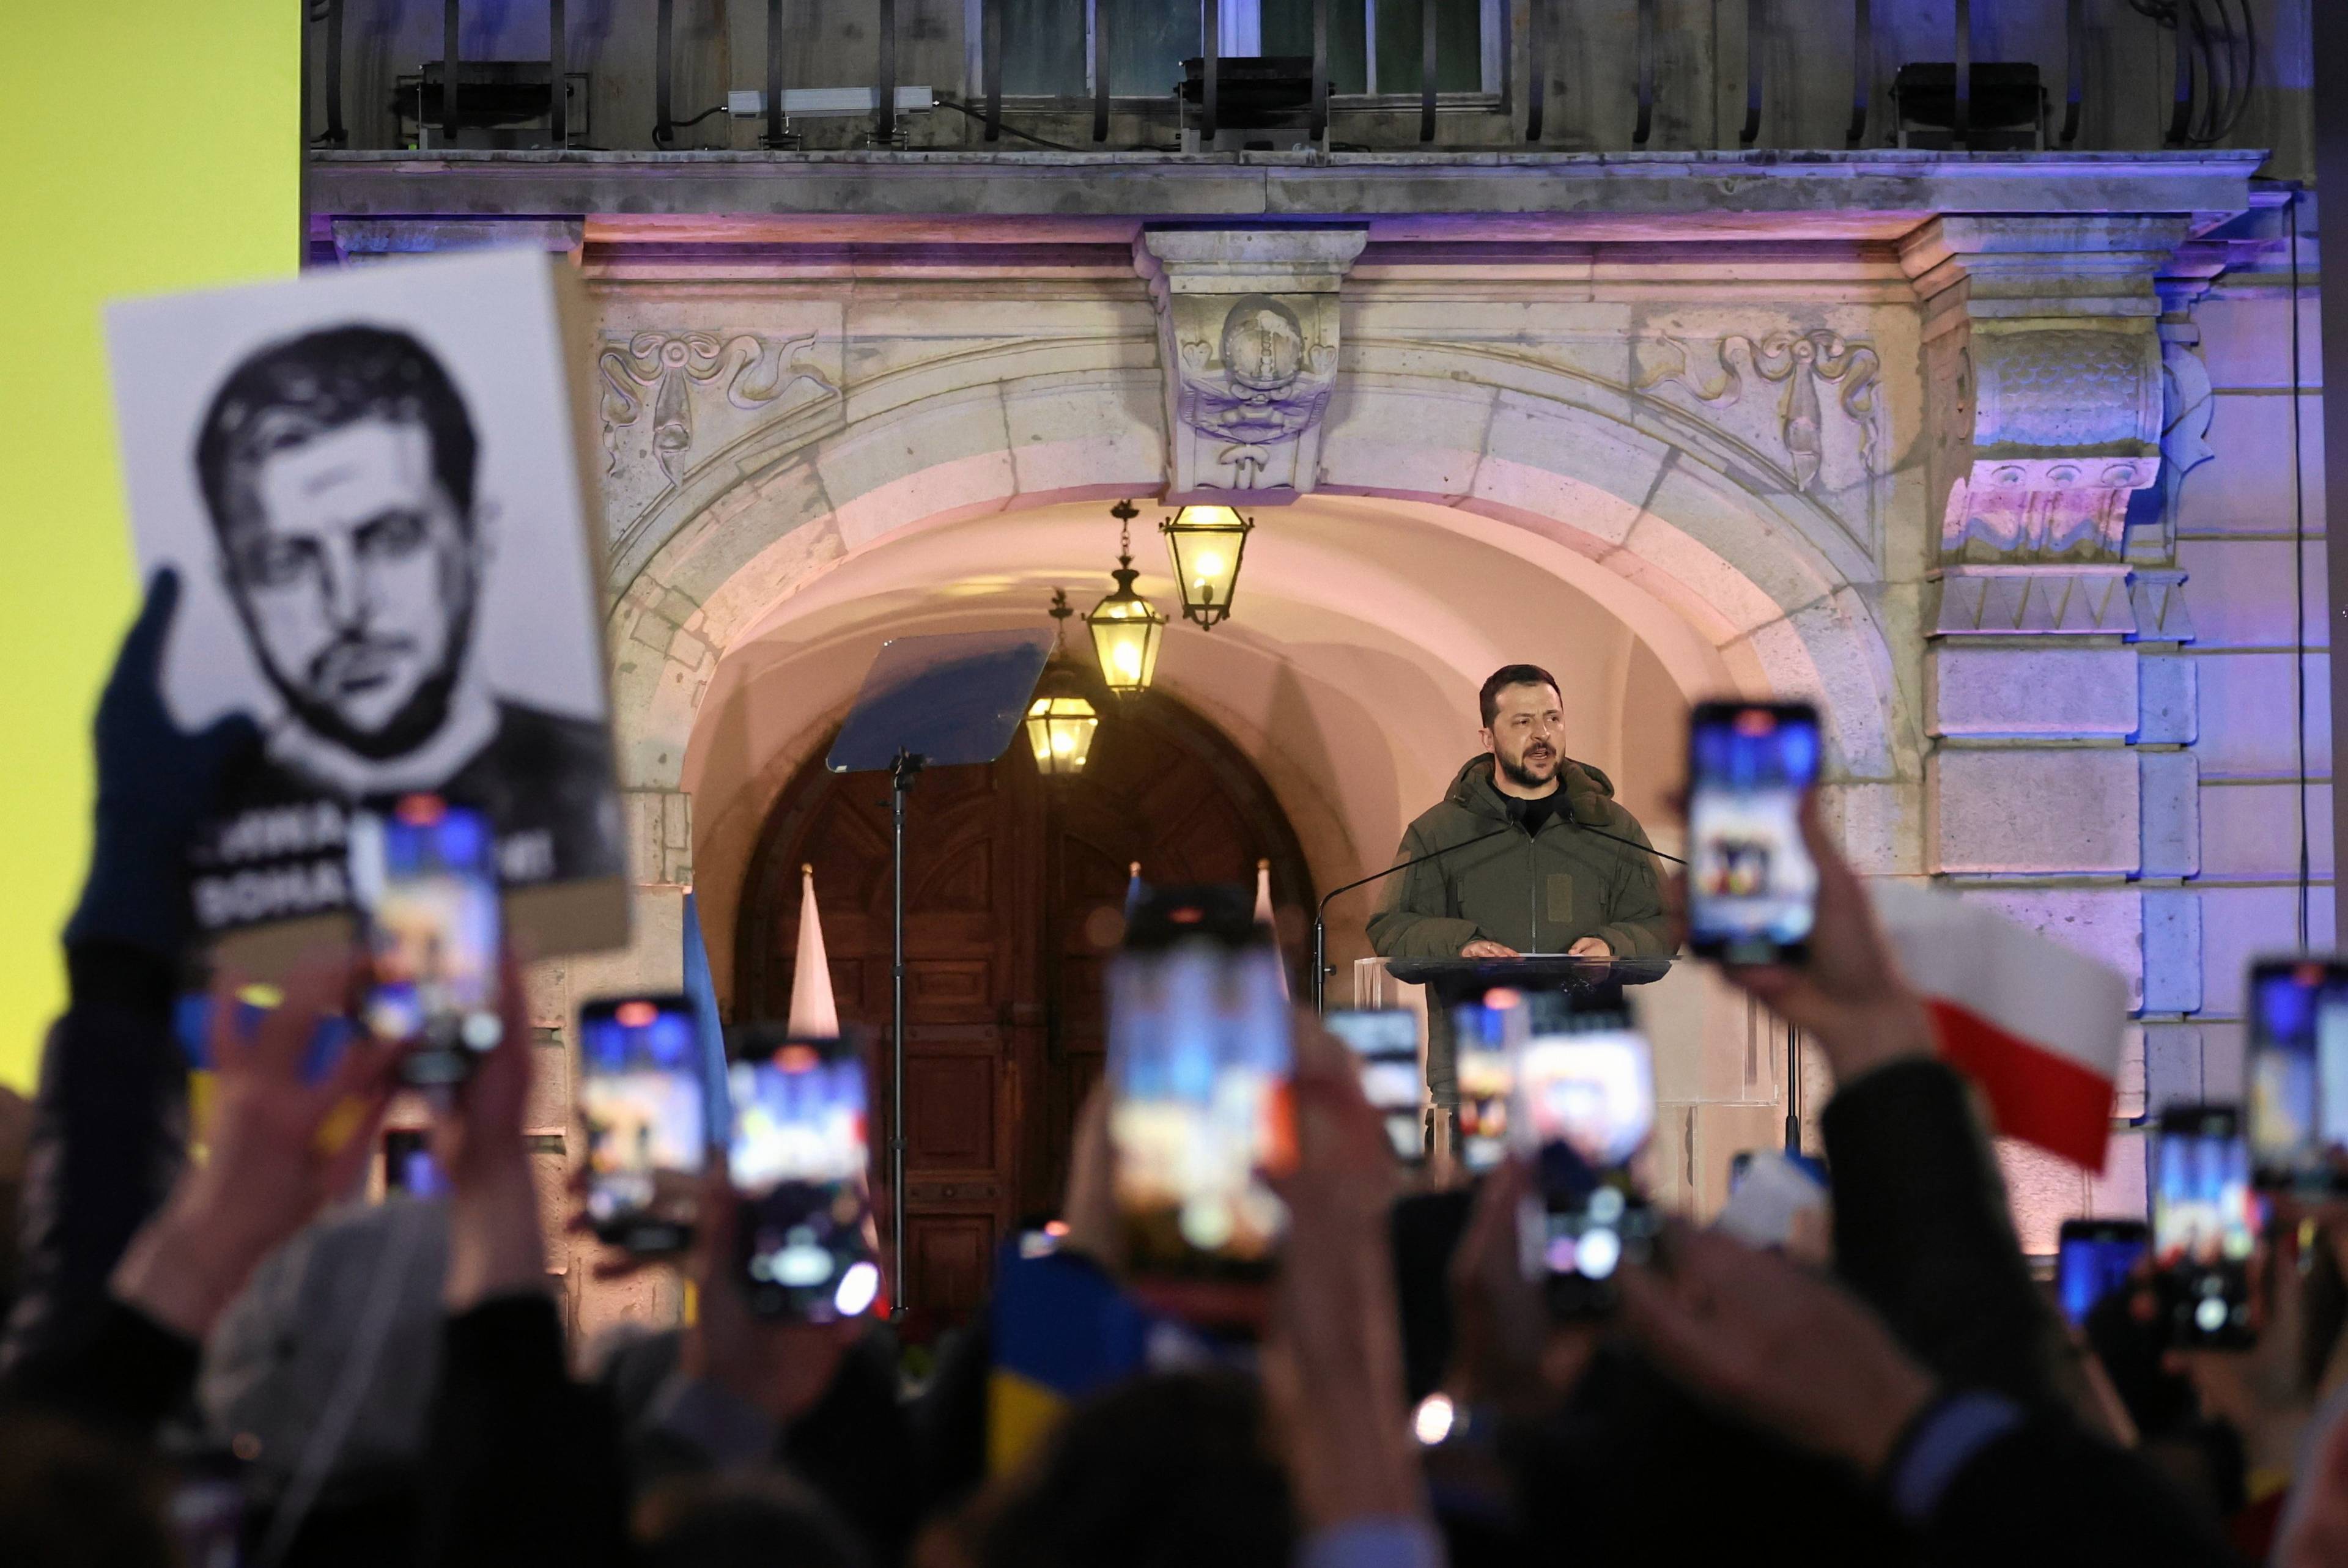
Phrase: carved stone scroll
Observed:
(1799, 362)
(1247, 330)
(662, 370)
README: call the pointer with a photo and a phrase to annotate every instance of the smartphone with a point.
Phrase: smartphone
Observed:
(424, 880)
(1201, 1111)
(2298, 1074)
(1486, 1036)
(2094, 1259)
(1585, 1108)
(1385, 1049)
(806, 1246)
(642, 1098)
(2204, 1227)
(1752, 888)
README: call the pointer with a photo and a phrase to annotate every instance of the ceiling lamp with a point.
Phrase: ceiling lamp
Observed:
(1125, 626)
(1206, 543)
(1060, 721)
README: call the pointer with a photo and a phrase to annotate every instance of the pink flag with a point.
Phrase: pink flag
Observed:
(2035, 1024)
(814, 1015)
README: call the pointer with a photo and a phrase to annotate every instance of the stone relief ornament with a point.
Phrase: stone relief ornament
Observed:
(1254, 390)
(659, 370)
(2067, 424)
(1248, 340)
(1800, 362)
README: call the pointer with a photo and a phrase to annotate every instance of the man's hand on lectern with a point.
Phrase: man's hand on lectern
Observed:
(1484, 947)
(1589, 948)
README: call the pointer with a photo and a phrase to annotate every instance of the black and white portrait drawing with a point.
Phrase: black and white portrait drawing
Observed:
(368, 483)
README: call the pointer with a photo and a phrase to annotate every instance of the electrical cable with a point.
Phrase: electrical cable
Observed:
(2299, 580)
(1007, 129)
(677, 125)
(2222, 65)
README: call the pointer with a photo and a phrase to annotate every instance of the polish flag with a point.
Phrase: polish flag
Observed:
(2036, 1025)
(1264, 916)
(814, 1014)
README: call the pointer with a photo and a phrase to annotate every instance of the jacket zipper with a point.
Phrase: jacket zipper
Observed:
(1532, 889)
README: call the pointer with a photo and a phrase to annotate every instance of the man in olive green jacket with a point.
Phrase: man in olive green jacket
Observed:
(1545, 885)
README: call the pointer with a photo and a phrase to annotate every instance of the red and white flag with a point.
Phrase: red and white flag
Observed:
(2038, 1026)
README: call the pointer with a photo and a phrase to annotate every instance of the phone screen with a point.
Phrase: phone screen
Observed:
(424, 877)
(1486, 1036)
(2203, 1224)
(1585, 1108)
(798, 1160)
(640, 1097)
(2094, 1260)
(1200, 1070)
(1752, 888)
(1385, 1049)
(2299, 1073)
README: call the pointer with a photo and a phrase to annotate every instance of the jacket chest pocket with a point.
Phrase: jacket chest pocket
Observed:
(1561, 896)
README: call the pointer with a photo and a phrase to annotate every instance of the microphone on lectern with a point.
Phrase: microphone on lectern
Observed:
(1320, 914)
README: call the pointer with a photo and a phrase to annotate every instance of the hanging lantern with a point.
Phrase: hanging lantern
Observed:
(1206, 543)
(1126, 626)
(1060, 720)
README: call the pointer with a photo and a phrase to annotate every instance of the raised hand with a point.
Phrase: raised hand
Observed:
(495, 1243)
(780, 1367)
(156, 783)
(1778, 1345)
(279, 1148)
(1850, 994)
(1333, 1366)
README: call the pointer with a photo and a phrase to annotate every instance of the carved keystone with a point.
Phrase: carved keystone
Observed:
(1247, 335)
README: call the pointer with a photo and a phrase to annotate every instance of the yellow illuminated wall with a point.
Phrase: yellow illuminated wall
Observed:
(148, 145)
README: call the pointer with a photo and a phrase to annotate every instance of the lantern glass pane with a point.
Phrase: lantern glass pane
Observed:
(1206, 544)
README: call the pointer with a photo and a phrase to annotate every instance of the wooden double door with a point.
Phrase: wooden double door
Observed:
(1013, 893)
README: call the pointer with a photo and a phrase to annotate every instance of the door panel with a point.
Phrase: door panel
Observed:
(1015, 890)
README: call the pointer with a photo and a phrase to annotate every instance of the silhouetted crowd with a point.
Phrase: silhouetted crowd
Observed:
(221, 1356)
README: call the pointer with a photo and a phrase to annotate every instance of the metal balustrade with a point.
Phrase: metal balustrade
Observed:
(2200, 71)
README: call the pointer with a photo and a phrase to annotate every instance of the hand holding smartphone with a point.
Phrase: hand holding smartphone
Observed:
(1384, 1046)
(806, 1246)
(1201, 1072)
(2204, 1226)
(640, 1097)
(423, 876)
(2298, 1075)
(1585, 1107)
(1752, 886)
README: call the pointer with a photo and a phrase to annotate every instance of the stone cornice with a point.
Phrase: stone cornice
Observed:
(1103, 197)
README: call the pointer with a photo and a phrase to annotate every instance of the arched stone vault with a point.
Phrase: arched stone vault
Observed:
(1778, 592)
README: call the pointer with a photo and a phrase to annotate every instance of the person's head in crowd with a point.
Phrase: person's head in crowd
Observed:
(1524, 726)
(338, 471)
(764, 1520)
(1168, 1472)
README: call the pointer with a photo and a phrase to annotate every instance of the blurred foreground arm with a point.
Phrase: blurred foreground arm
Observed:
(523, 1463)
(110, 1132)
(1980, 1478)
(1333, 1369)
(1921, 1228)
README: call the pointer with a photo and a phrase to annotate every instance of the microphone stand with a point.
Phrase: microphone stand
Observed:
(1321, 915)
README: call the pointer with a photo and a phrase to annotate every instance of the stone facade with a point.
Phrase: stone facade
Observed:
(1956, 478)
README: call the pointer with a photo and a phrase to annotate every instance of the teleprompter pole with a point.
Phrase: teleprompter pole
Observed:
(901, 773)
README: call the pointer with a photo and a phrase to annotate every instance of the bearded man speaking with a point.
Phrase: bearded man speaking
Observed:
(1548, 888)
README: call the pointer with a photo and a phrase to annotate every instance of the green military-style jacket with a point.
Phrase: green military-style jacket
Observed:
(1537, 893)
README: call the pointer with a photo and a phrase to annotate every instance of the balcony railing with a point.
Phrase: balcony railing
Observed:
(1075, 75)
